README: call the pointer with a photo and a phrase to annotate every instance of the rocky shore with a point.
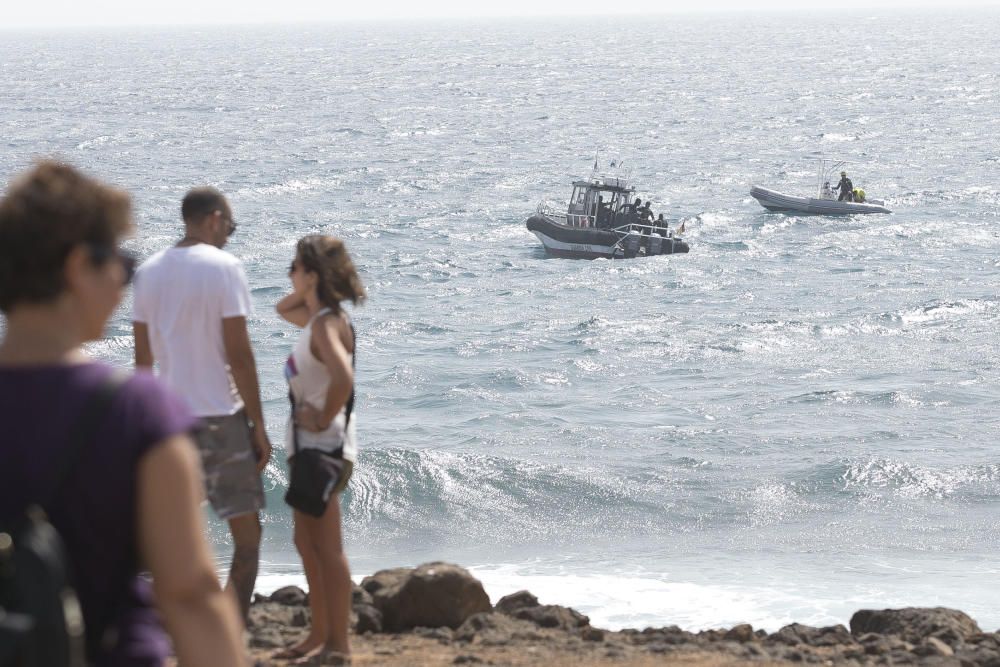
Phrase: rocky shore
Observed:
(439, 614)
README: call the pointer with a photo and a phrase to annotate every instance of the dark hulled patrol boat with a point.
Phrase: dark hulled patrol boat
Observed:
(601, 220)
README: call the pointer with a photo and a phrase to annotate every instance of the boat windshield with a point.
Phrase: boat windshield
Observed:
(597, 204)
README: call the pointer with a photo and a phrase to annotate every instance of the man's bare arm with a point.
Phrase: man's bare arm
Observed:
(239, 354)
(143, 349)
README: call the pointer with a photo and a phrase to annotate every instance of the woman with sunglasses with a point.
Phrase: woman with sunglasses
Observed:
(320, 440)
(130, 501)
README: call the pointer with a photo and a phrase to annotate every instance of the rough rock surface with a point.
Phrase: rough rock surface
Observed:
(289, 595)
(741, 633)
(369, 619)
(515, 601)
(915, 623)
(431, 595)
(360, 596)
(552, 616)
(797, 633)
(385, 579)
(493, 629)
(520, 632)
(272, 614)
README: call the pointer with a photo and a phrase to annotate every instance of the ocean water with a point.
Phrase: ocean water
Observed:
(795, 420)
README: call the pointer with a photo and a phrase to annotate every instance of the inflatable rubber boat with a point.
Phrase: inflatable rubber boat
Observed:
(825, 202)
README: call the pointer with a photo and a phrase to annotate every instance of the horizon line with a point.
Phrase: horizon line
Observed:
(869, 10)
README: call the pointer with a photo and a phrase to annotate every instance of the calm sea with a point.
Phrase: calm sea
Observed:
(796, 420)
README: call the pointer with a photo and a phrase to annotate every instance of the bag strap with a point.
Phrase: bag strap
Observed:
(349, 408)
(295, 428)
(84, 429)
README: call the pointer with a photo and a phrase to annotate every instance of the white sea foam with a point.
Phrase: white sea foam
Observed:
(643, 599)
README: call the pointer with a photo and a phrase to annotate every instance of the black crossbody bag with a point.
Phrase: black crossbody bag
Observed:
(314, 474)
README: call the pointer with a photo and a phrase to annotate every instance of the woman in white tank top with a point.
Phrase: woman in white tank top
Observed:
(309, 381)
(321, 382)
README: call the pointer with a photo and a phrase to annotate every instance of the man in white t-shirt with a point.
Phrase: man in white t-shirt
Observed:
(190, 316)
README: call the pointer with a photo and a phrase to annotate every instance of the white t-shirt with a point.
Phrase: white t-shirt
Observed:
(182, 295)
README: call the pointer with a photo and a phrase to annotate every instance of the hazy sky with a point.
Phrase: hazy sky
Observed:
(22, 13)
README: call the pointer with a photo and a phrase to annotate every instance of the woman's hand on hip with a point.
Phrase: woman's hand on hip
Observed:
(310, 419)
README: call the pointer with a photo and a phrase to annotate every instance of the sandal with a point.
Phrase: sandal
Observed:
(289, 653)
(325, 659)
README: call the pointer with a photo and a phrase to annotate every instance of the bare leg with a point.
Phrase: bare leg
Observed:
(316, 638)
(336, 576)
(245, 530)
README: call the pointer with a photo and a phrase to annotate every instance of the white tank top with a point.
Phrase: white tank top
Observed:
(309, 381)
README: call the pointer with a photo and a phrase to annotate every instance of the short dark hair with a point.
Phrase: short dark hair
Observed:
(199, 202)
(45, 213)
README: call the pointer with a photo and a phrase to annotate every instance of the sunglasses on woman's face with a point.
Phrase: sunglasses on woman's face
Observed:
(100, 254)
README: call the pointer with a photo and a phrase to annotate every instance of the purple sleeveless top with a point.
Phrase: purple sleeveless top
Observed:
(96, 511)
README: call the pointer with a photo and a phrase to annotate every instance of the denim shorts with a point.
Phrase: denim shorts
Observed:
(232, 483)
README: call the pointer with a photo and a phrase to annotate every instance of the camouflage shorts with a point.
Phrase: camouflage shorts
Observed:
(232, 483)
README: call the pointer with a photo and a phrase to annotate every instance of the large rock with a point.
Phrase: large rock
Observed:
(524, 606)
(914, 624)
(431, 595)
(360, 596)
(509, 604)
(369, 619)
(796, 633)
(494, 629)
(385, 579)
(271, 614)
(553, 616)
(292, 596)
(742, 633)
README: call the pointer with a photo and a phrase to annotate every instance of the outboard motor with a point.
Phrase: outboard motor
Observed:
(631, 244)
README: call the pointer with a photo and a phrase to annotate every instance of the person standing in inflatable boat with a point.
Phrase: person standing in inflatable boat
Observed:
(846, 188)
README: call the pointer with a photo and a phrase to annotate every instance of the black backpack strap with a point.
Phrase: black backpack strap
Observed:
(84, 429)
